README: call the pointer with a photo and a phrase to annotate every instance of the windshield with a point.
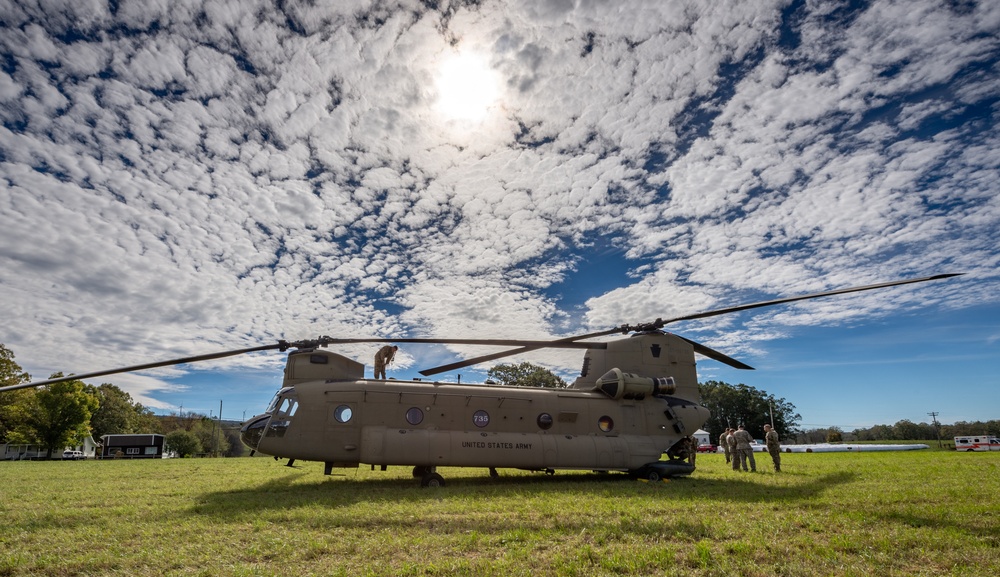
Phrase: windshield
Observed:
(277, 398)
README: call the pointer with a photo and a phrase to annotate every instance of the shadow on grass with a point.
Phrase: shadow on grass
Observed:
(294, 490)
(609, 505)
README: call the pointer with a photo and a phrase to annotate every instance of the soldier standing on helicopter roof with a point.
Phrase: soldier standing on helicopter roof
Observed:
(382, 358)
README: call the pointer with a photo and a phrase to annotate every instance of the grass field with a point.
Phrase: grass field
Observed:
(906, 513)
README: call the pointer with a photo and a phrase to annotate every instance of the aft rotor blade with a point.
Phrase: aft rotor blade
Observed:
(569, 342)
(714, 354)
(802, 298)
(660, 323)
(281, 345)
(698, 347)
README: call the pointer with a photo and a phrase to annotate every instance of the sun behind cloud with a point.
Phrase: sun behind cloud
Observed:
(467, 87)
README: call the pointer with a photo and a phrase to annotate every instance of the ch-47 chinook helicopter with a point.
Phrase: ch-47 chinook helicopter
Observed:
(635, 400)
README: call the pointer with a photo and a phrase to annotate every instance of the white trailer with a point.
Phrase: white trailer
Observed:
(977, 443)
(702, 437)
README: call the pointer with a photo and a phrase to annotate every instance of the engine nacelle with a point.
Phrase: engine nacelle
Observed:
(619, 385)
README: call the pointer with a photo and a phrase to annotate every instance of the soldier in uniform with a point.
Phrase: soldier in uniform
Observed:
(724, 443)
(731, 443)
(382, 358)
(745, 451)
(773, 446)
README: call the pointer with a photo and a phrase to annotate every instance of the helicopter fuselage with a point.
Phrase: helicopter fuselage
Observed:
(438, 424)
(621, 421)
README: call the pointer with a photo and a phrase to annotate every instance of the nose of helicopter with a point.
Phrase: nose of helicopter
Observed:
(253, 431)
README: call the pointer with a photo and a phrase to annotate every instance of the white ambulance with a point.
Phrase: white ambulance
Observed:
(977, 443)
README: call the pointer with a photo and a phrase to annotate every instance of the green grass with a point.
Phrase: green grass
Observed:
(907, 513)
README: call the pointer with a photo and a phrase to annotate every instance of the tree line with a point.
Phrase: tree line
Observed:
(906, 430)
(63, 414)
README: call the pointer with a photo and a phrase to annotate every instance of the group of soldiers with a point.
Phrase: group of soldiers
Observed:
(737, 444)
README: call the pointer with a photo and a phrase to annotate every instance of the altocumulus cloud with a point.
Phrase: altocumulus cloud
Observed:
(179, 176)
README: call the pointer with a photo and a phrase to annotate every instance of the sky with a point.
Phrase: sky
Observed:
(180, 177)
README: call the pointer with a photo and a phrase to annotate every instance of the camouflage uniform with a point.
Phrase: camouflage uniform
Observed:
(724, 443)
(773, 446)
(743, 450)
(382, 358)
(731, 443)
(691, 447)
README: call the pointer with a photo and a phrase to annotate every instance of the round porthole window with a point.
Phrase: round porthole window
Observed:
(606, 424)
(414, 416)
(544, 421)
(343, 414)
(481, 418)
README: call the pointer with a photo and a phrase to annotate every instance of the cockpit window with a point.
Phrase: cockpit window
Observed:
(280, 410)
(287, 407)
(277, 398)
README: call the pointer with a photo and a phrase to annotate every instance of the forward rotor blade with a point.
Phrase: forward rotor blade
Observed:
(486, 342)
(281, 345)
(660, 323)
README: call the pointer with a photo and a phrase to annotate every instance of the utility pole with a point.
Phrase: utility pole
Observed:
(215, 438)
(937, 427)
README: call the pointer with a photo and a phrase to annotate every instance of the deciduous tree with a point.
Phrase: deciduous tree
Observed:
(734, 405)
(211, 436)
(118, 413)
(58, 415)
(525, 375)
(11, 374)
(183, 443)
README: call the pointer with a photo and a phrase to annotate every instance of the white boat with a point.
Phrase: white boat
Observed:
(849, 448)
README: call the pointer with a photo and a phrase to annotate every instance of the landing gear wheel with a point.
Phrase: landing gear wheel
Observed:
(419, 471)
(653, 476)
(432, 480)
(493, 473)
